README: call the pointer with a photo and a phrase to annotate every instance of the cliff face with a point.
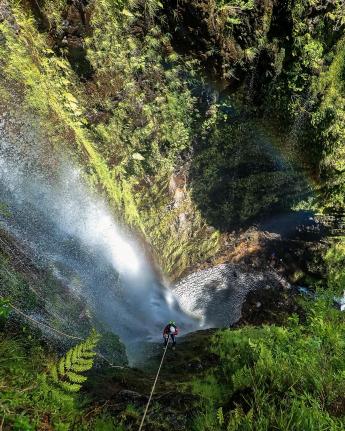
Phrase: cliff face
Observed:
(45, 306)
(284, 61)
(198, 122)
(184, 157)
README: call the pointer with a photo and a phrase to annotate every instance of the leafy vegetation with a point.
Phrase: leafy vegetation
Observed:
(149, 126)
(127, 133)
(289, 377)
(180, 160)
(36, 387)
(141, 118)
(67, 373)
(309, 92)
(33, 292)
(284, 65)
(335, 258)
(29, 400)
(247, 176)
(4, 309)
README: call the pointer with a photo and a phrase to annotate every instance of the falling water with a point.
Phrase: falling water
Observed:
(69, 229)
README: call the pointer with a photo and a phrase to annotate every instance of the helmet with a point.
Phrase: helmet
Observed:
(171, 322)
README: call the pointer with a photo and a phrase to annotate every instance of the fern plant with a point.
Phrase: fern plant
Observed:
(220, 416)
(67, 373)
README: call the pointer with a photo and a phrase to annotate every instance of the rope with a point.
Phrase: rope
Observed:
(74, 337)
(153, 387)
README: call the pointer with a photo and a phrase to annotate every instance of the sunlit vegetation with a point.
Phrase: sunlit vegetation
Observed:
(149, 127)
(145, 128)
(181, 158)
(288, 377)
(68, 372)
(140, 117)
(38, 383)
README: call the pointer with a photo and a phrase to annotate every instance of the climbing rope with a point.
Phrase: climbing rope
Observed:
(73, 337)
(153, 387)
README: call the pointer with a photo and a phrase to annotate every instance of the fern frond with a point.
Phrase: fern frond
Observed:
(68, 360)
(84, 365)
(70, 387)
(54, 373)
(74, 354)
(82, 368)
(87, 354)
(66, 373)
(75, 377)
(61, 366)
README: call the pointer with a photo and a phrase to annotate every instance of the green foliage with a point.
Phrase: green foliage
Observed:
(53, 10)
(150, 120)
(4, 210)
(14, 286)
(287, 378)
(328, 120)
(309, 95)
(239, 174)
(228, 19)
(28, 400)
(33, 291)
(335, 260)
(52, 91)
(107, 424)
(237, 4)
(112, 348)
(147, 126)
(25, 396)
(67, 372)
(220, 416)
(4, 309)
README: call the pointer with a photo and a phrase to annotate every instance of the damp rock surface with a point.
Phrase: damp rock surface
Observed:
(216, 295)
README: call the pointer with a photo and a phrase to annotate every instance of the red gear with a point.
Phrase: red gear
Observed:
(166, 330)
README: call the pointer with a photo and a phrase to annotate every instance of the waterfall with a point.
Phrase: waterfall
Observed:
(69, 229)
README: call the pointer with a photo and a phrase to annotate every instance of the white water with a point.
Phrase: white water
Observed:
(69, 229)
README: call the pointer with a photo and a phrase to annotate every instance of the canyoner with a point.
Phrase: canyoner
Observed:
(170, 331)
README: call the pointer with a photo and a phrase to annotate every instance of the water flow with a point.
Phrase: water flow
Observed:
(70, 230)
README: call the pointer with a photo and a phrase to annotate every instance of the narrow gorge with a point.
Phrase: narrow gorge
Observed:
(172, 161)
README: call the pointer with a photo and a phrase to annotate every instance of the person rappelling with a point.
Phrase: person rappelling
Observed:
(171, 331)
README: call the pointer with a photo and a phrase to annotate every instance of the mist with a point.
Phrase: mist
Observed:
(67, 228)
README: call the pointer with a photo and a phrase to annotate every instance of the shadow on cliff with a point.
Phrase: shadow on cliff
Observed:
(238, 175)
